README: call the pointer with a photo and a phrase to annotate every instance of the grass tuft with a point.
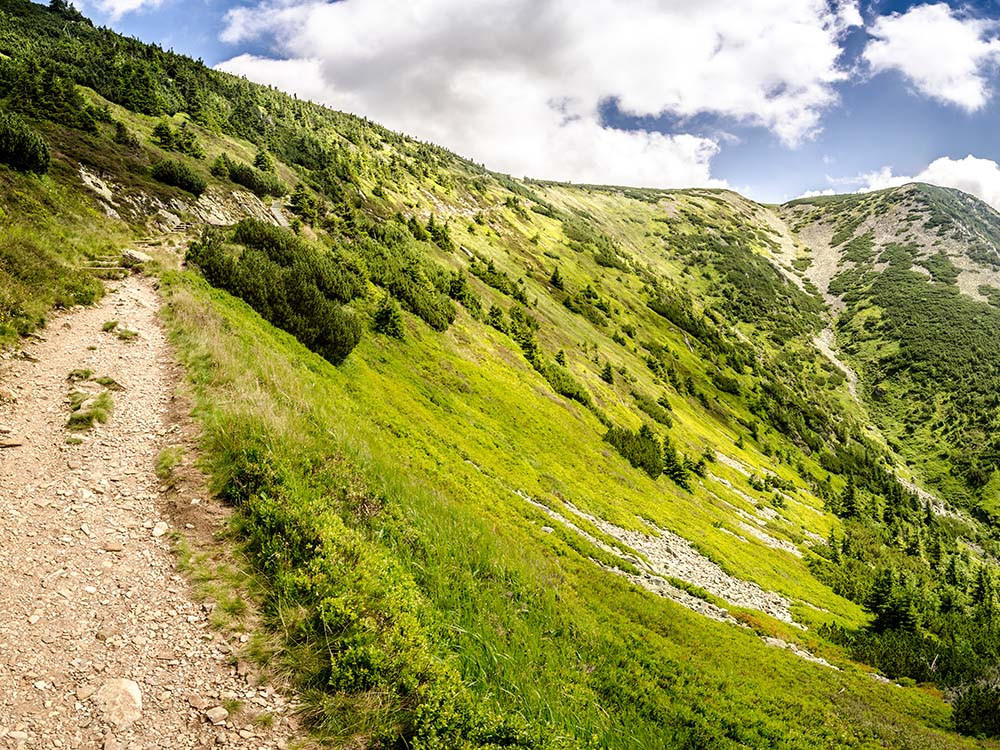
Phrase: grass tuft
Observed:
(87, 409)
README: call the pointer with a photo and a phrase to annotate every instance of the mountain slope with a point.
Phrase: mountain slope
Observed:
(916, 271)
(516, 463)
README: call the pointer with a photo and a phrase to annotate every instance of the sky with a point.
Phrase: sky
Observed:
(772, 98)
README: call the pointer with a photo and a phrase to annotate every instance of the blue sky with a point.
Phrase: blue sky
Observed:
(770, 97)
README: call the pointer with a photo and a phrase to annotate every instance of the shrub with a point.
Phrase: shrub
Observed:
(642, 449)
(337, 275)
(396, 265)
(21, 147)
(565, 384)
(220, 166)
(263, 161)
(497, 318)
(658, 410)
(288, 283)
(673, 466)
(389, 318)
(976, 710)
(124, 136)
(459, 290)
(178, 174)
(257, 182)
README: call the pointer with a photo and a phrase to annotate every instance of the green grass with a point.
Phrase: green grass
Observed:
(496, 597)
(166, 461)
(86, 409)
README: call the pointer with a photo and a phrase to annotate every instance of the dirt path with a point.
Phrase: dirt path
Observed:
(93, 615)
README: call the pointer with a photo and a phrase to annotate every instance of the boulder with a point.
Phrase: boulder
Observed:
(132, 258)
(120, 701)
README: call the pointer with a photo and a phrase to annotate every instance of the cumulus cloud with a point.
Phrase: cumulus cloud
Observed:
(943, 54)
(817, 193)
(521, 84)
(113, 10)
(978, 177)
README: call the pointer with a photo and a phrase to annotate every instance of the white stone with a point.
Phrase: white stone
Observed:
(120, 701)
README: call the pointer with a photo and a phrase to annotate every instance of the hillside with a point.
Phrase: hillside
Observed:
(526, 464)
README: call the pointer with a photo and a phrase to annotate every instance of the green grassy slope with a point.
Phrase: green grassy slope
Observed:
(393, 498)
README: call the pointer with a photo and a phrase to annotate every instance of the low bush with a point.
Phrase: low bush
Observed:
(21, 147)
(399, 267)
(257, 182)
(976, 710)
(565, 384)
(301, 297)
(178, 174)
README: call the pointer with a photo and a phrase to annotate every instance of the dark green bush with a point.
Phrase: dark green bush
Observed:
(642, 449)
(388, 318)
(565, 384)
(499, 280)
(397, 264)
(336, 273)
(260, 183)
(658, 410)
(459, 290)
(976, 710)
(21, 147)
(289, 295)
(178, 174)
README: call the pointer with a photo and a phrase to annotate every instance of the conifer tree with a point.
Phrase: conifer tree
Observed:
(389, 318)
(264, 161)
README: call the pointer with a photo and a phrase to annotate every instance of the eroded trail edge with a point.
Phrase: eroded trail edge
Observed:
(101, 642)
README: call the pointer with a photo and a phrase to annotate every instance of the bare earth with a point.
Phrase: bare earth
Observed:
(90, 596)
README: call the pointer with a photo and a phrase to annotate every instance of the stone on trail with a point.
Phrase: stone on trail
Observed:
(217, 715)
(132, 257)
(120, 701)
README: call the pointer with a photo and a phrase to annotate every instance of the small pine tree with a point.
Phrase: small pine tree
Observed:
(302, 204)
(389, 318)
(673, 465)
(561, 358)
(607, 374)
(497, 318)
(163, 135)
(220, 166)
(123, 136)
(850, 505)
(264, 161)
(556, 279)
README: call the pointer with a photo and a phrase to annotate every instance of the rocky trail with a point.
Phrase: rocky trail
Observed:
(101, 643)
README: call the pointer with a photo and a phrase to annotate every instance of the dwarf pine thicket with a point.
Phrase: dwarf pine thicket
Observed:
(429, 346)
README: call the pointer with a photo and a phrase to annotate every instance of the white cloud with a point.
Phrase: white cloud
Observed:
(817, 193)
(113, 10)
(978, 177)
(944, 55)
(519, 84)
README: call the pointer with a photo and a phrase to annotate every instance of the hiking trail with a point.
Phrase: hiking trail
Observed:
(102, 644)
